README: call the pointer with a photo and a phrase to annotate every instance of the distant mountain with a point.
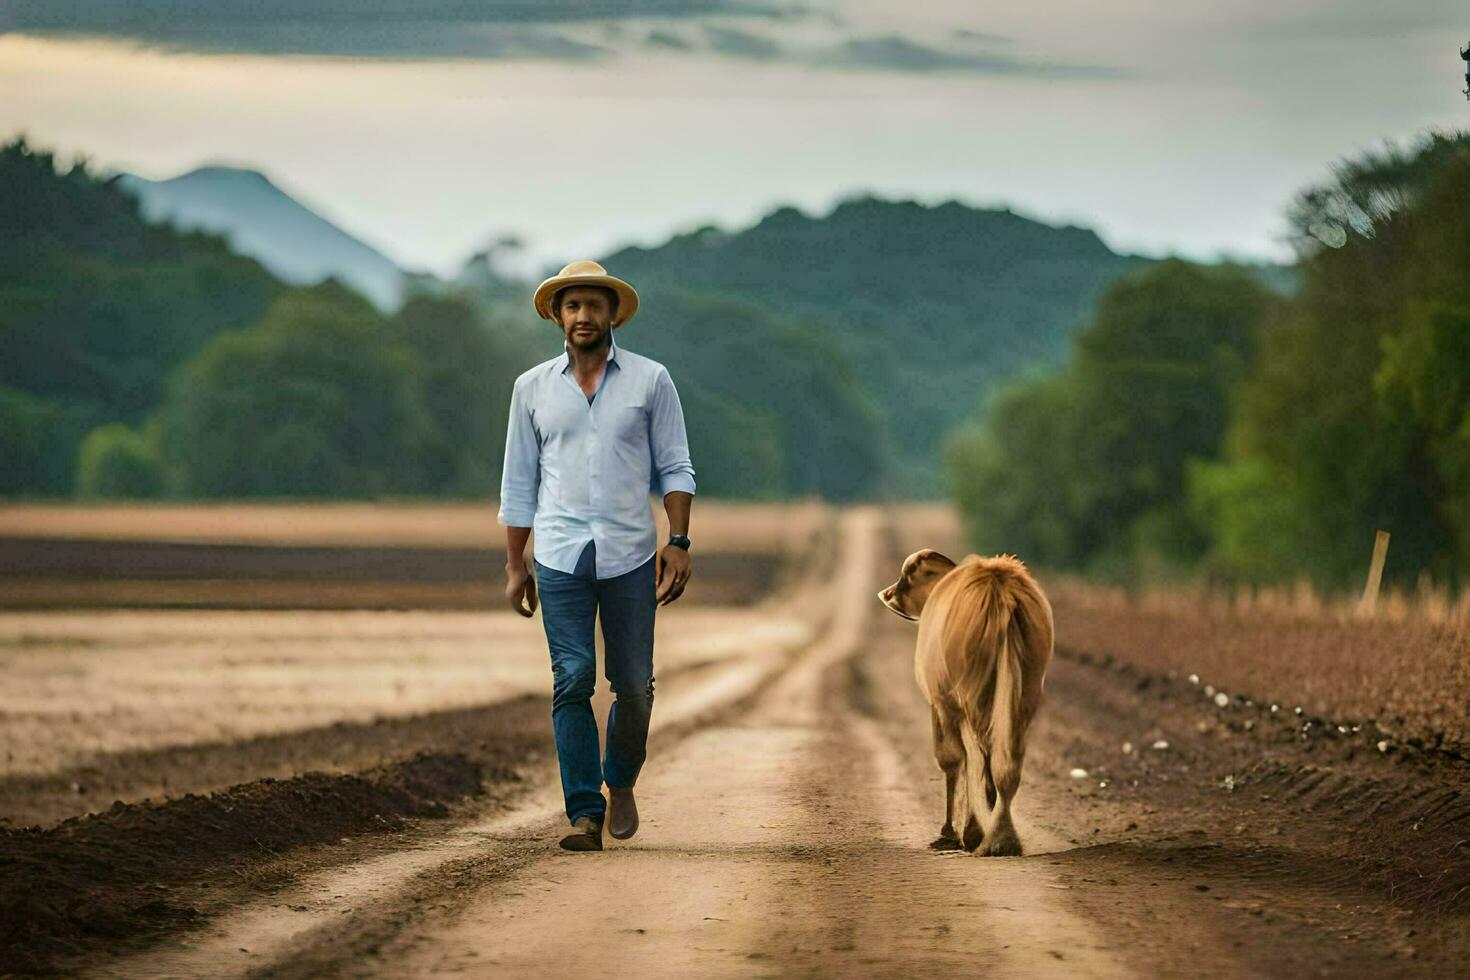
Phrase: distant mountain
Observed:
(262, 221)
(932, 307)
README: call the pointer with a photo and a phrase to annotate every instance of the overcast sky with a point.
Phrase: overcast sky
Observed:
(431, 127)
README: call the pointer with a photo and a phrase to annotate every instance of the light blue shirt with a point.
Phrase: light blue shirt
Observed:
(578, 472)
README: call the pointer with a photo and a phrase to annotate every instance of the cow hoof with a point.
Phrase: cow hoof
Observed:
(973, 836)
(944, 843)
(1001, 845)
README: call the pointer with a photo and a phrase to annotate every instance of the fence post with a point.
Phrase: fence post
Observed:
(1375, 574)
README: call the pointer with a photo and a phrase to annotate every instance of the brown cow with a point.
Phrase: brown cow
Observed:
(985, 639)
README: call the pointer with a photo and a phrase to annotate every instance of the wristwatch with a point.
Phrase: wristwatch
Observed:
(679, 541)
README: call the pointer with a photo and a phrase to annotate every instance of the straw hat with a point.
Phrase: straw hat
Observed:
(585, 272)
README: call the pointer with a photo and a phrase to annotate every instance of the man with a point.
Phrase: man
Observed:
(590, 432)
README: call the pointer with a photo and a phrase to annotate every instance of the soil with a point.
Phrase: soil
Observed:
(136, 871)
(787, 805)
(74, 573)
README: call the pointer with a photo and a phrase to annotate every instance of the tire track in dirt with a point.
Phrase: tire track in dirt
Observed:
(786, 840)
(353, 903)
(786, 812)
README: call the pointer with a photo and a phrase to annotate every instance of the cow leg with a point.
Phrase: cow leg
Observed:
(968, 813)
(949, 752)
(1002, 778)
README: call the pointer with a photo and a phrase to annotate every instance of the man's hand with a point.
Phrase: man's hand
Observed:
(673, 568)
(520, 589)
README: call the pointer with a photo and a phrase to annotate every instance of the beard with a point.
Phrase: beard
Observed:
(588, 342)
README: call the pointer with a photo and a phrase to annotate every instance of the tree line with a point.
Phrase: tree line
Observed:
(1204, 425)
(139, 362)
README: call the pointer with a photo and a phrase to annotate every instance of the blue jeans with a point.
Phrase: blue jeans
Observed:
(569, 608)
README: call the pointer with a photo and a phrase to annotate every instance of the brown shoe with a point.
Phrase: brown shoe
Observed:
(586, 835)
(622, 812)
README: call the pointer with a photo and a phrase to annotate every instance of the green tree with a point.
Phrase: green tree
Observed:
(1155, 372)
(317, 399)
(1252, 517)
(28, 433)
(118, 462)
(776, 399)
(931, 307)
(738, 450)
(469, 371)
(1010, 473)
(96, 308)
(1086, 468)
(1327, 416)
(1423, 384)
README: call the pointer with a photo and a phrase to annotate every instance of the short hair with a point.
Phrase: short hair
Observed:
(612, 298)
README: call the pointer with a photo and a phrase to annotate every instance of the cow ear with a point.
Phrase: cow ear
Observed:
(944, 559)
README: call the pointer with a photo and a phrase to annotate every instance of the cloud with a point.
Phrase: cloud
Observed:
(520, 29)
(981, 37)
(427, 41)
(122, 14)
(356, 28)
(740, 44)
(666, 39)
(893, 52)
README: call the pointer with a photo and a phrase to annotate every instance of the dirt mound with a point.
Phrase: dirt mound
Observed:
(1391, 818)
(499, 734)
(1407, 676)
(1407, 836)
(97, 880)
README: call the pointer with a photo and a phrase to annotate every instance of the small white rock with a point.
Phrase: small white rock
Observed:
(1209, 690)
(1127, 748)
(1221, 700)
(1383, 745)
(1160, 745)
(1079, 773)
(1194, 678)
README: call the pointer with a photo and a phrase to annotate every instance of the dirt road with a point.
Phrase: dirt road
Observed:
(787, 804)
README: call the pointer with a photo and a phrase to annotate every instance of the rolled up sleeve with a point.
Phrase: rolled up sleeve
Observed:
(667, 438)
(520, 478)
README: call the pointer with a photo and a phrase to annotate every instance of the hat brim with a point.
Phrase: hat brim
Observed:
(627, 295)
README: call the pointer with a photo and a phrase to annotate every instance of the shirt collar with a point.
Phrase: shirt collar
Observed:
(566, 354)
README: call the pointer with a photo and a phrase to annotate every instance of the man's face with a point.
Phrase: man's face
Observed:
(585, 317)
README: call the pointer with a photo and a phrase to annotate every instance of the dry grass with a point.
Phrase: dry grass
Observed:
(75, 683)
(1405, 667)
(1425, 605)
(336, 555)
(79, 683)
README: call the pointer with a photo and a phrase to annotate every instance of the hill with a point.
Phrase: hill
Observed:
(931, 307)
(97, 306)
(264, 222)
(138, 359)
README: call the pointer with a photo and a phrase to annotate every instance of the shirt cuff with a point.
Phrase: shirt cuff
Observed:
(677, 481)
(516, 517)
